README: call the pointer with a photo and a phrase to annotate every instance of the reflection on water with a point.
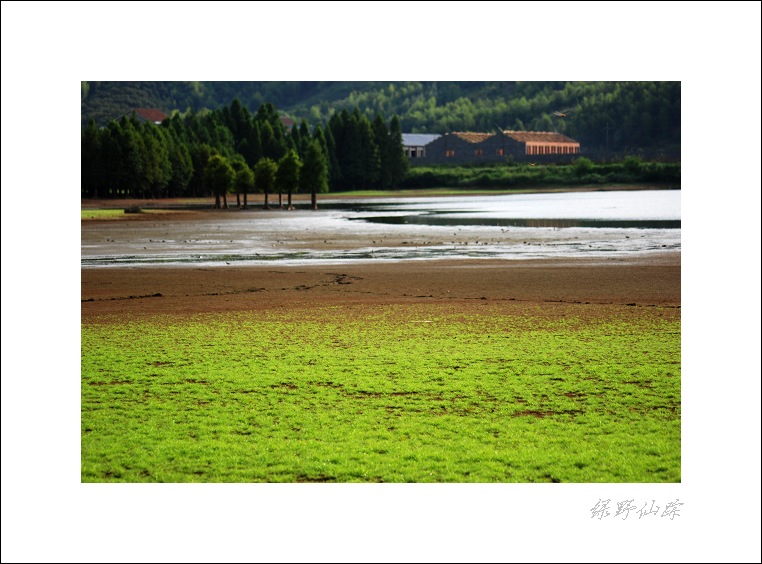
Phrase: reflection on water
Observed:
(521, 226)
(437, 218)
(640, 209)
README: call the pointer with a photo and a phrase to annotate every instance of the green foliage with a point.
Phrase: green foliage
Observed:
(287, 175)
(127, 159)
(395, 159)
(101, 214)
(244, 183)
(182, 169)
(632, 165)
(583, 166)
(583, 171)
(200, 154)
(603, 116)
(383, 142)
(92, 161)
(440, 396)
(244, 180)
(219, 177)
(271, 149)
(264, 177)
(157, 167)
(314, 173)
(356, 151)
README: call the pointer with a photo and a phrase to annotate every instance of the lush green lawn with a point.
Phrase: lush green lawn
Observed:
(392, 393)
(112, 213)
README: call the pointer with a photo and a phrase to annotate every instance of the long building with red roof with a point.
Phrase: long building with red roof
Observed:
(470, 147)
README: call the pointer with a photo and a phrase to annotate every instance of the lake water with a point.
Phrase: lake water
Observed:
(518, 226)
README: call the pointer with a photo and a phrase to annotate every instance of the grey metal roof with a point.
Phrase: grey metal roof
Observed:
(418, 139)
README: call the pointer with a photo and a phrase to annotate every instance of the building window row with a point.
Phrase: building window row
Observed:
(530, 150)
(415, 152)
(477, 153)
(551, 150)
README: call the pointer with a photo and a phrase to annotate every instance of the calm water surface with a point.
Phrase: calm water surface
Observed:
(520, 226)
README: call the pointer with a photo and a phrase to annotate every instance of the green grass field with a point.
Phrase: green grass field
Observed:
(114, 214)
(393, 393)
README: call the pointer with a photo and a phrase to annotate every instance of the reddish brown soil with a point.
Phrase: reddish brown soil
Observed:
(188, 290)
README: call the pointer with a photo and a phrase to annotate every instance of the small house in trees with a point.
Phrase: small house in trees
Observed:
(150, 114)
(519, 146)
(414, 144)
(287, 122)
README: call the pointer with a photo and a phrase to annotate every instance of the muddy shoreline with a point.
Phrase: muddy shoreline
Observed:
(651, 279)
(644, 283)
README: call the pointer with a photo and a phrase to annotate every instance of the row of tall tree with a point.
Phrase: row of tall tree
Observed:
(231, 150)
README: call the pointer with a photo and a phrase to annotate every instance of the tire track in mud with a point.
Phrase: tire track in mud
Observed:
(338, 279)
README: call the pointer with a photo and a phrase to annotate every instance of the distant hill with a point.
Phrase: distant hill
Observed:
(619, 116)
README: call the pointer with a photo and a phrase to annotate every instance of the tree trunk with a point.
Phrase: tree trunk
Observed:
(280, 200)
(290, 207)
(314, 199)
(216, 200)
(267, 205)
(238, 199)
(245, 204)
(225, 199)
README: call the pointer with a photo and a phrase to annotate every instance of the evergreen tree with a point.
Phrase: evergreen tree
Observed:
(266, 113)
(237, 163)
(158, 168)
(254, 146)
(287, 175)
(383, 141)
(334, 170)
(319, 136)
(304, 135)
(111, 159)
(273, 142)
(177, 127)
(264, 177)
(271, 148)
(240, 121)
(196, 128)
(219, 177)
(370, 158)
(396, 160)
(200, 155)
(133, 154)
(352, 155)
(91, 161)
(314, 174)
(243, 182)
(337, 126)
(296, 141)
(182, 169)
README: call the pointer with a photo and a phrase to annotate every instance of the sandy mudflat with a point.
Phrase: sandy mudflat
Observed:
(587, 283)
(643, 281)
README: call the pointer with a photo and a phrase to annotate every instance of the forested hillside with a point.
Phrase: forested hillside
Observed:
(623, 117)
